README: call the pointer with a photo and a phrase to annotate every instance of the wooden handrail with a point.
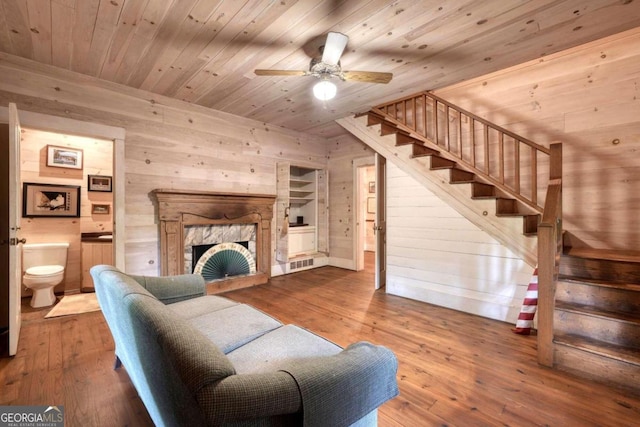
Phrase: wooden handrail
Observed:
(549, 251)
(432, 123)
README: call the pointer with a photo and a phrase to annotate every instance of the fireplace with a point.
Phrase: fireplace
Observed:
(191, 218)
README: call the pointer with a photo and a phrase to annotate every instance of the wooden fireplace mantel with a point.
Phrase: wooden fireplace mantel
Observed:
(180, 208)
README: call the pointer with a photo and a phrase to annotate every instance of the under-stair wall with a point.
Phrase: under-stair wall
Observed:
(436, 255)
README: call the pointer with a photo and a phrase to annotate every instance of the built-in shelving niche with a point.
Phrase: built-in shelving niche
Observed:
(302, 217)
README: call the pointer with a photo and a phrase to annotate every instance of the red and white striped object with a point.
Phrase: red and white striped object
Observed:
(529, 307)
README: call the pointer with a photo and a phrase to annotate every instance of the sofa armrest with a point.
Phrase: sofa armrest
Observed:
(340, 389)
(328, 390)
(170, 289)
(249, 396)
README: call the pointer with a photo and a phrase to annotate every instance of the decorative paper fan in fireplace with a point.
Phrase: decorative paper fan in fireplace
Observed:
(225, 260)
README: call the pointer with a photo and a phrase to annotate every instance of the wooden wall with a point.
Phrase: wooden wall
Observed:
(97, 160)
(168, 144)
(342, 152)
(589, 99)
(436, 255)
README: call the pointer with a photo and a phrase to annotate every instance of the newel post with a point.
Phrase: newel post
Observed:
(549, 251)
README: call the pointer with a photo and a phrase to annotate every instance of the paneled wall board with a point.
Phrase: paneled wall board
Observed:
(587, 98)
(342, 151)
(168, 144)
(437, 256)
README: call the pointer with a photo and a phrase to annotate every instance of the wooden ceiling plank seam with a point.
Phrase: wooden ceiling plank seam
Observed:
(40, 28)
(244, 38)
(215, 97)
(5, 40)
(246, 55)
(16, 16)
(209, 32)
(229, 62)
(85, 19)
(107, 18)
(143, 37)
(230, 37)
(175, 31)
(129, 18)
(62, 18)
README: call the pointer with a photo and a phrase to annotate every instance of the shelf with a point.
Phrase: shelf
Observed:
(299, 193)
(295, 182)
(299, 200)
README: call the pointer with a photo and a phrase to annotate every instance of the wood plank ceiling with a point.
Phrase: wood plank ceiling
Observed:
(205, 51)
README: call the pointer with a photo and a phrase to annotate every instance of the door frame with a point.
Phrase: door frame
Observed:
(358, 236)
(93, 130)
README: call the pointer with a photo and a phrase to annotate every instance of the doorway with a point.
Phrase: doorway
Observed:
(63, 125)
(369, 217)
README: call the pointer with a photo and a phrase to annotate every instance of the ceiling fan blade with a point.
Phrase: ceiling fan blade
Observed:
(280, 73)
(368, 76)
(333, 48)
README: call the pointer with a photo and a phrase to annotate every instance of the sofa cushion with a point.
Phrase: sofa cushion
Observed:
(171, 289)
(278, 348)
(196, 307)
(234, 326)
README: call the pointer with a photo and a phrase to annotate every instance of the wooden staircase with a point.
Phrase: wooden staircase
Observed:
(421, 147)
(589, 300)
(596, 332)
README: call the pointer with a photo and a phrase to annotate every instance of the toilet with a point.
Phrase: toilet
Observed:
(44, 265)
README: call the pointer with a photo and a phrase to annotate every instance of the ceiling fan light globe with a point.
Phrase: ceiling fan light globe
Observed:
(324, 90)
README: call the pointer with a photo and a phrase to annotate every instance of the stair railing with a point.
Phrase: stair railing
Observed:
(549, 251)
(501, 157)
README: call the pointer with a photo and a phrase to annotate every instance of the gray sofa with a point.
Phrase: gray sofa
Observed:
(199, 359)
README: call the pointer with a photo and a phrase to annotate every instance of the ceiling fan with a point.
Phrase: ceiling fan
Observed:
(327, 66)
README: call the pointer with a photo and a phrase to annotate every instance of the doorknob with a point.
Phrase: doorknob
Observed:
(13, 241)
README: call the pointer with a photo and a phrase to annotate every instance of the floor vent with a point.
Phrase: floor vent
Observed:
(301, 264)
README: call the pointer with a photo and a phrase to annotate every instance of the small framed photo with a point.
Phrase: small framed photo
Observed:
(372, 186)
(371, 205)
(64, 157)
(99, 183)
(100, 209)
(50, 200)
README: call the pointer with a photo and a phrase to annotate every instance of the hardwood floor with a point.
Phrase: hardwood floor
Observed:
(455, 369)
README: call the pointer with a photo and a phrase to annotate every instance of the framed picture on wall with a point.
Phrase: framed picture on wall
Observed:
(99, 183)
(64, 157)
(100, 209)
(50, 200)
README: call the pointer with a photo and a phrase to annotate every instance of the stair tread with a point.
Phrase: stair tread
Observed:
(618, 352)
(603, 254)
(598, 312)
(634, 287)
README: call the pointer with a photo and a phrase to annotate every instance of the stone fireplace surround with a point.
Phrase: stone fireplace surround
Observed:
(177, 209)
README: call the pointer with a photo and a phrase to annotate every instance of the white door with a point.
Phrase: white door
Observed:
(15, 205)
(381, 221)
